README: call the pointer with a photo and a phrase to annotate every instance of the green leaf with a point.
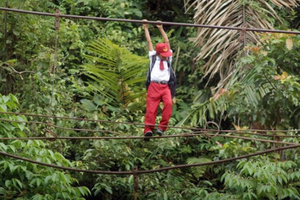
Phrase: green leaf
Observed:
(3, 147)
(165, 196)
(3, 107)
(8, 183)
(116, 70)
(84, 191)
(89, 105)
(17, 183)
(108, 189)
(47, 179)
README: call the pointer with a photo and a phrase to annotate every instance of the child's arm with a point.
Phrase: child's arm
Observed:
(147, 35)
(163, 34)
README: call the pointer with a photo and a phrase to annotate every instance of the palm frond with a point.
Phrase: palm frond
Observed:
(117, 69)
(220, 47)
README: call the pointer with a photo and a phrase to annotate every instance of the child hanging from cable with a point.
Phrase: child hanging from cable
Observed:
(161, 83)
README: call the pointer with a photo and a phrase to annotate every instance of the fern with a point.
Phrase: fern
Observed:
(119, 72)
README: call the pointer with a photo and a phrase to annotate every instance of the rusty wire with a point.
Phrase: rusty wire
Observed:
(245, 131)
(185, 135)
(122, 137)
(188, 134)
(153, 170)
(135, 171)
(149, 22)
(57, 15)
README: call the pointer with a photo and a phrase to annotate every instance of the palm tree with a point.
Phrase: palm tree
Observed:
(114, 71)
(219, 47)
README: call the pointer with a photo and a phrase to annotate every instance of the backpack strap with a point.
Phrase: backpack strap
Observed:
(153, 59)
(172, 82)
(153, 62)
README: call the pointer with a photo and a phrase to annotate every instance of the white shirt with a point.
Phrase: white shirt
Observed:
(156, 73)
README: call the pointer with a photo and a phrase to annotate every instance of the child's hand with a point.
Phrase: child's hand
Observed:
(159, 25)
(145, 26)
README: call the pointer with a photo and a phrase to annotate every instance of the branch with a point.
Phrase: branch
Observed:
(14, 70)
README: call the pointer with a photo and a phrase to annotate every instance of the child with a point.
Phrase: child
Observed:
(160, 82)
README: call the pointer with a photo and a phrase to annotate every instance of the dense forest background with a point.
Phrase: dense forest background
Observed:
(241, 88)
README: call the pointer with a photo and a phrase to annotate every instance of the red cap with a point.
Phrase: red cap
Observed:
(163, 49)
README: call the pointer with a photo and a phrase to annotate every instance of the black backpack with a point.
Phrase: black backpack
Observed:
(172, 82)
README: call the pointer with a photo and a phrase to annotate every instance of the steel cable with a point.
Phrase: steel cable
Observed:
(149, 171)
(149, 22)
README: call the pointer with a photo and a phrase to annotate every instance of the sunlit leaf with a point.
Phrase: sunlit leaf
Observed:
(289, 44)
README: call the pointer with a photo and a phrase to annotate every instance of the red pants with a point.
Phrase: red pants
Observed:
(156, 93)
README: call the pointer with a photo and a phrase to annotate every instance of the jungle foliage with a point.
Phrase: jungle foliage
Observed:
(100, 75)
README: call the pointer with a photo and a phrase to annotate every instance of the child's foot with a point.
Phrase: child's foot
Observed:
(159, 132)
(147, 136)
